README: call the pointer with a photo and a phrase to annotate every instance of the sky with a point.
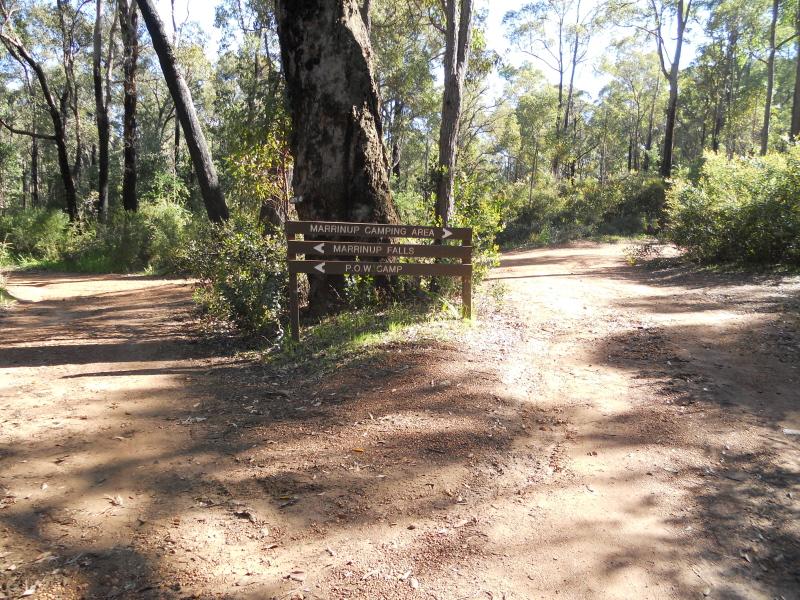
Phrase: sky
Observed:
(589, 79)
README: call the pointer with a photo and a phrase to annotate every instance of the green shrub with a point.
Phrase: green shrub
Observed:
(153, 238)
(746, 209)
(243, 274)
(36, 232)
(477, 205)
(553, 214)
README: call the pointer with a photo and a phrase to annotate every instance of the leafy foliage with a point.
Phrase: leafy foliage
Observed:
(154, 239)
(243, 273)
(550, 215)
(744, 209)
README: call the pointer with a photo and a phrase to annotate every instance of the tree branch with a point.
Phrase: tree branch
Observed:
(31, 134)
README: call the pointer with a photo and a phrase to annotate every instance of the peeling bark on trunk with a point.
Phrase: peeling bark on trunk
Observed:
(340, 164)
(340, 170)
(457, 45)
(365, 14)
(195, 139)
(129, 24)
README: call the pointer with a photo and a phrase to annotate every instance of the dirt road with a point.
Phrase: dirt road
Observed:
(605, 431)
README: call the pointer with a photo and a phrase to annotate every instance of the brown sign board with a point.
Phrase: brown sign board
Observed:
(321, 254)
(356, 267)
(376, 230)
(379, 249)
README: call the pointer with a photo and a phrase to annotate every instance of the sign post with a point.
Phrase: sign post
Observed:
(321, 255)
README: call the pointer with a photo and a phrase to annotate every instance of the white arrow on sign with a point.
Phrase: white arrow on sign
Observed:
(320, 267)
(447, 233)
(320, 248)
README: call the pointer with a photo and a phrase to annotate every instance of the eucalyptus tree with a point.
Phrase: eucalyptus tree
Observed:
(340, 164)
(252, 123)
(535, 107)
(203, 163)
(680, 11)
(128, 17)
(557, 34)
(16, 36)
(636, 85)
(777, 38)
(458, 40)
(407, 41)
(734, 33)
(102, 98)
(794, 131)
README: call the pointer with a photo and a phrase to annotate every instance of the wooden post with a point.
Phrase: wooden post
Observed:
(294, 301)
(466, 283)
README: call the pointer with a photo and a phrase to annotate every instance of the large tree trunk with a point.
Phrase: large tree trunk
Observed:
(340, 164)
(129, 23)
(340, 170)
(457, 45)
(195, 140)
(101, 110)
(770, 77)
(795, 126)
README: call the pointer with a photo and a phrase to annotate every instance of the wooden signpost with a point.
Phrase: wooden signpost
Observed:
(323, 257)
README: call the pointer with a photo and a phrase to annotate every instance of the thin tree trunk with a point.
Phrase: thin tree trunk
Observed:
(69, 98)
(129, 23)
(718, 124)
(648, 146)
(101, 111)
(195, 140)
(397, 115)
(574, 66)
(457, 47)
(730, 81)
(683, 11)
(176, 145)
(795, 126)
(25, 189)
(21, 54)
(34, 167)
(669, 128)
(770, 78)
(556, 162)
(341, 168)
